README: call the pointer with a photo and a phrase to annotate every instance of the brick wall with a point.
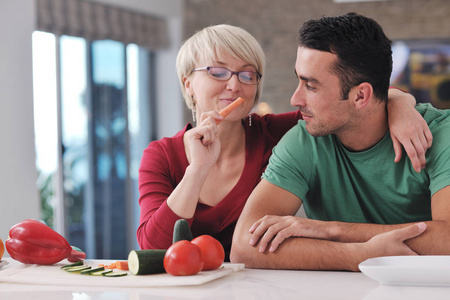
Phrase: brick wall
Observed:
(275, 23)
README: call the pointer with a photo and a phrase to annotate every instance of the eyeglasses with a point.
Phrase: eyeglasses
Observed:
(223, 74)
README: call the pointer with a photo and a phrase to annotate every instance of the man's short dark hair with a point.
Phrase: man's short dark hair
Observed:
(363, 51)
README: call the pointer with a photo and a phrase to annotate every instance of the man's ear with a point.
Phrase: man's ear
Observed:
(363, 94)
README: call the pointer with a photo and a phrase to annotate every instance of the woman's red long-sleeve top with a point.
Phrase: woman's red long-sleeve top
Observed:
(163, 165)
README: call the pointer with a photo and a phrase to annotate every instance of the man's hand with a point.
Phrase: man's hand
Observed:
(279, 228)
(393, 242)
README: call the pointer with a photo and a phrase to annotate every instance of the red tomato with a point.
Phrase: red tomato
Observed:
(212, 251)
(183, 258)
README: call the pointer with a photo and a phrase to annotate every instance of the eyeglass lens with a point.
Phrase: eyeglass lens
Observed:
(247, 77)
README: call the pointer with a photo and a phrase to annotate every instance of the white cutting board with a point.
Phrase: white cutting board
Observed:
(53, 275)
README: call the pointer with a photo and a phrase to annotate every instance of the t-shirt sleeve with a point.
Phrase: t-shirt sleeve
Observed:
(291, 162)
(438, 156)
(155, 186)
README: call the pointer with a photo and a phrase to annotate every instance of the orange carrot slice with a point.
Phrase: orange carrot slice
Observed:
(111, 266)
(122, 265)
(232, 106)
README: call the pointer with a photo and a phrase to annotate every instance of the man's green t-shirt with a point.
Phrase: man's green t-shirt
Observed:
(368, 186)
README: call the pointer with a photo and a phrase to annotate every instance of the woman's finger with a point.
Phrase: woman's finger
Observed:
(398, 150)
(213, 115)
(420, 152)
(429, 137)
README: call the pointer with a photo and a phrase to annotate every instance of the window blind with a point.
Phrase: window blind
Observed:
(96, 21)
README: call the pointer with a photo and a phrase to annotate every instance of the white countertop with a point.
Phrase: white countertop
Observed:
(245, 284)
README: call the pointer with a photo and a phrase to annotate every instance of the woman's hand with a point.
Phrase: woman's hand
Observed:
(202, 149)
(408, 128)
(203, 141)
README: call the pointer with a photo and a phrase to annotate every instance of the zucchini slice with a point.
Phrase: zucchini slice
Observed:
(90, 271)
(75, 264)
(77, 269)
(141, 262)
(115, 274)
(101, 273)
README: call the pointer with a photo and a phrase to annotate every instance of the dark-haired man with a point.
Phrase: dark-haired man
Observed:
(336, 162)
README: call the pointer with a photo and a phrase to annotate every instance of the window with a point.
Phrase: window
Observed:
(422, 67)
(92, 117)
(45, 120)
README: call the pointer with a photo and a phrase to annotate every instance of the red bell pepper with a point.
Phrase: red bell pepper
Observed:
(33, 242)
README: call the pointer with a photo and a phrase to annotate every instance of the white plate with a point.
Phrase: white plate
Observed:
(408, 270)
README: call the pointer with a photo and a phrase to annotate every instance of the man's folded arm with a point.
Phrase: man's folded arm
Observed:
(307, 253)
(293, 253)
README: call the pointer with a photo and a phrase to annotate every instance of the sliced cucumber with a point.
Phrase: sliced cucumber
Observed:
(77, 269)
(75, 264)
(101, 273)
(115, 274)
(181, 231)
(141, 262)
(89, 271)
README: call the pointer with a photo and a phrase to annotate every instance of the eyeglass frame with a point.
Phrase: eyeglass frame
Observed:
(258, 75)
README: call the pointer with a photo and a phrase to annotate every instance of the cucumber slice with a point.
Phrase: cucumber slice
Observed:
(141, 262)
(89, 271)
(101, 273)
(75, 264)
(181, 231)
(77, 269)
(115, 274)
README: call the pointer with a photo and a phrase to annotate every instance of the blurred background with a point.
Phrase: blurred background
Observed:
(86, 85)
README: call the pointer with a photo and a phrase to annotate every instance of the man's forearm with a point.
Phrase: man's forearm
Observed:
(435, 241)
(314, 254)
(301, 254)
(357, 232)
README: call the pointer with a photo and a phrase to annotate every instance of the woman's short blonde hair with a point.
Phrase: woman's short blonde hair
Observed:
(210, 44)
